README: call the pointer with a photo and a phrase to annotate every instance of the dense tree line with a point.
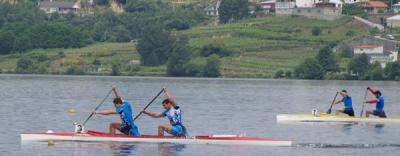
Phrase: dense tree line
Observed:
(24, 27)
(324, 66)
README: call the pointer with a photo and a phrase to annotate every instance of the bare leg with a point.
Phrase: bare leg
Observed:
(164, 127)
(340, 110)
(114, 126)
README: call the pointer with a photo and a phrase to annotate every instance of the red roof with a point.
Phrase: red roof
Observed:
(366, 46)
(377, 4)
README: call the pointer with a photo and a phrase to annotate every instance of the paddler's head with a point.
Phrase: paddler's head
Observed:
(378, 93)
(343, 93)
(167, 104)
(118, 102)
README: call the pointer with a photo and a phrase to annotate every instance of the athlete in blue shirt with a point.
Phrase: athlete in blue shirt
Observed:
(124, 109)
(348, 104)
(380, 103)
(174, 114)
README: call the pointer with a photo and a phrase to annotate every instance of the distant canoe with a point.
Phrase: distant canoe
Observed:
(331, 118)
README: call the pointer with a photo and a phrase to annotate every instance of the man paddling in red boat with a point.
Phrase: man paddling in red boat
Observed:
(380, 103)
(123, 108)
(174, 114)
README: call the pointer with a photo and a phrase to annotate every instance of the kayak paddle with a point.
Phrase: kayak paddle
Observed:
(363, 105)
(330, 109)
(159, 93)
(97, 107)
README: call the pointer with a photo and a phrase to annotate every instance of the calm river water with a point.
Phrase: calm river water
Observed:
(211, 106)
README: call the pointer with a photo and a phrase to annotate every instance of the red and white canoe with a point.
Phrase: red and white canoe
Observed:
(93, 136)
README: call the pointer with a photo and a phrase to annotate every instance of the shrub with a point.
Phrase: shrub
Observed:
(279, 74)
(74, 70)
(316, 31)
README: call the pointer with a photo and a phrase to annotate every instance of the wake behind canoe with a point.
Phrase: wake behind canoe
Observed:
(93, 136)
(331, 118)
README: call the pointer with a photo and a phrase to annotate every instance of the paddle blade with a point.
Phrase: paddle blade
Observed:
(329, 111)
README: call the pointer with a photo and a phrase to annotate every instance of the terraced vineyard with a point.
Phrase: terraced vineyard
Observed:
(266, 45)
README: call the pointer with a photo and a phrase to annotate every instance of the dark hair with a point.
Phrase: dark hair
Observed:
(117, 100)
(344, 91)
(378, 92)
(167, 101)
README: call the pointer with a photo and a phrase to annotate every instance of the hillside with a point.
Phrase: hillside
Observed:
(263, 46)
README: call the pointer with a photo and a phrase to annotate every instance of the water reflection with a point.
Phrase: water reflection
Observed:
(169, 149)
(123, 149)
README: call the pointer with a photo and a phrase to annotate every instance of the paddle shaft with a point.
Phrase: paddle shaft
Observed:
(97, 107)
(330, 108)
(365, 96)
(159, 93)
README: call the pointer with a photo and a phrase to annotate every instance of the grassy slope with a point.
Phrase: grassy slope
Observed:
(264, 45)
(268, 44)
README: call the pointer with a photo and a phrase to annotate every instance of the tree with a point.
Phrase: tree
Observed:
(101, 2)
(233, 10)
(316, 31)
(359, 65)
(326, 60)
(24, 65)
(155, 46)
(179, 57)
(116, 69)
(347, 53)
(211, 69)
(213, 48)
(375, 71)
(353, 10)
(140, 6)
(309, 69)
(392, 70)
(279, 74)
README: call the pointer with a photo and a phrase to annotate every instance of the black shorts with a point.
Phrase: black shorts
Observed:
(349, 111)
(381, 114)
(126, 130)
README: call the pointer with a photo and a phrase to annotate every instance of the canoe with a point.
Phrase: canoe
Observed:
(94, 136)
(331, 118)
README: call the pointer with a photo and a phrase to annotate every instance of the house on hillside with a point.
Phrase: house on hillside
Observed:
(212, 10)
(393, 22)
(374, 7)
(376, 53)
(60, 7)
(396, 7)
(268, 6)
(354, 1)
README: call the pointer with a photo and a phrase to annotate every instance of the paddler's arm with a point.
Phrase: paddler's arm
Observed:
(373, 101)
(338, 101)
(373, 91)
(153, 114)
(114, 89)
(106, 112)
(169, 97)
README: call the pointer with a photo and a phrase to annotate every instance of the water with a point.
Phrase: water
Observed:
(211, 106)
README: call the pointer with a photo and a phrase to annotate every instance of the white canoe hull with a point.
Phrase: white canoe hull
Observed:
(331, 118)
(220, 140)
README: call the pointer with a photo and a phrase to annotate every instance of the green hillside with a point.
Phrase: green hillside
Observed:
(262, 46)
(265, 45)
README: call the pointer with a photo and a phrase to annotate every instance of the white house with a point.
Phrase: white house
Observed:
(354, 1)
(59, 7)
(268, 6)
(368, 49)
(376, 53)
(212, 10)
(396, 7)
